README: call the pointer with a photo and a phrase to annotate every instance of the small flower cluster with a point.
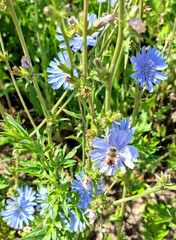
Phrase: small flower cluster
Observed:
(20, 209)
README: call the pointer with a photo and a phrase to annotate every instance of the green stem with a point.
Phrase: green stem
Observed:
(136, 99)
(84, 104)
(109, 188)
(43, 56)
(147, 192)
(116, 73)
(106, 42)
(68, 100)
(25, 50)
(53, 110)
(109, 6)
(62, 26)
(171, 41)
(91, 109)
(59, 101)
(42, 102)
(122, 209)
(18, 28)
(115, 56)
(99, 9)
(84, 54)
(7, 97)
(2, 111)
(83, 135)
(17, 173)
(141, 9)
(102, 35)
(16, 86)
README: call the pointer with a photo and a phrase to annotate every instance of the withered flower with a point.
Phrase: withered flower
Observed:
(137, 25)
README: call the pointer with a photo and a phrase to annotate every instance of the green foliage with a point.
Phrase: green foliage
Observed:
(42, 162)
(157, 220)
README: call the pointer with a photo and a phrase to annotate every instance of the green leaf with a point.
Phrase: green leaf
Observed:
(72, 153)
(38, 234)
(72, 114)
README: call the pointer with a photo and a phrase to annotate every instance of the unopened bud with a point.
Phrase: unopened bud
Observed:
(81, 16)
(104, 120)
(92, 216)
(105, 20)
(3, 57)
(49, 11)
(97, 73)
(97, 63)
(90, 135)
(86, 91)
(67, 8)
(137, 25)
(16, 71)
(24, 62)
(2, 7)
(63, 67)
(134, 11)
(71, 21)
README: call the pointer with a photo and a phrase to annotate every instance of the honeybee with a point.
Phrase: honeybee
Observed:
(111, 156)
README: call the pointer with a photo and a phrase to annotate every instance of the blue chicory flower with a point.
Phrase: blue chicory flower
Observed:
(57, 76)
(123, 125)
(77, 42)
(112, 2)
(42, 196)
(84, 186)
(115, 152)
(75, 224)
(20, 209)
(147, 65)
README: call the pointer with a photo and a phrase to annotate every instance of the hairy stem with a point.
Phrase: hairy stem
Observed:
(106, 42)
(115, 56)
(147, 192)
(91, 109)
(171, 41)
(68, 100)
(25, 50)
(122, 209)
(18, 28)
(102, 35)
(136, 99)
(109, 188)
(83, 135)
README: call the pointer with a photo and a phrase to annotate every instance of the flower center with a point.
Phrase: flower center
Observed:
(147, 68)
